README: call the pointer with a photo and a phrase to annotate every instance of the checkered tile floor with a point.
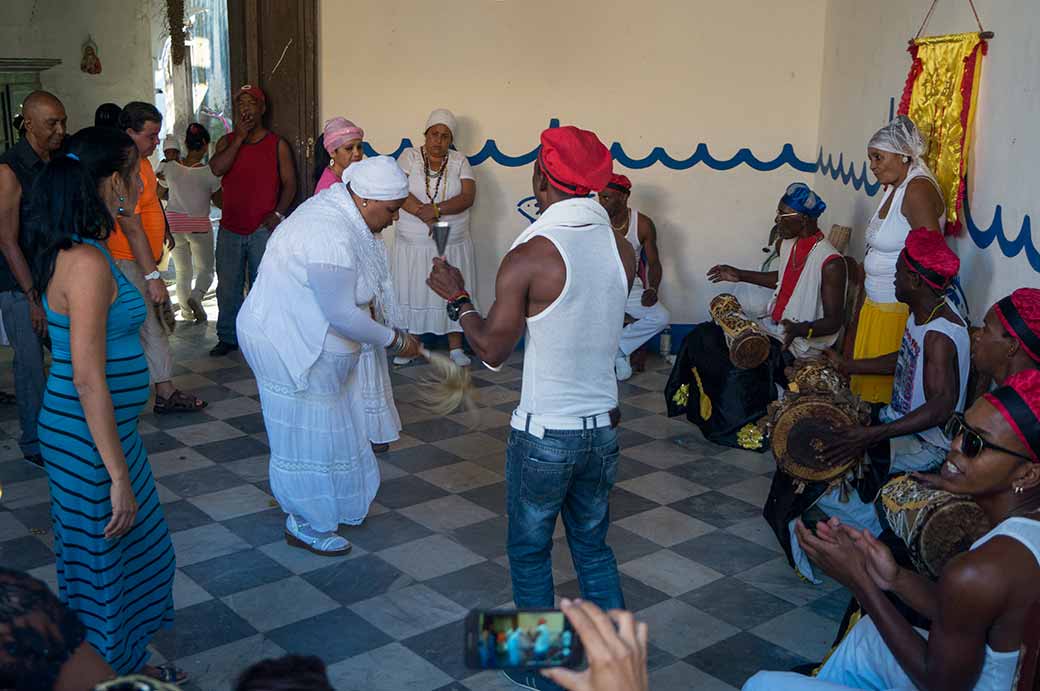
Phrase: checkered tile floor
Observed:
(697, 560)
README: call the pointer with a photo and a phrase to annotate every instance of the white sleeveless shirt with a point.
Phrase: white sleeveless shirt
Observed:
(886, 238)
(633, 233)
(908, 386)
(998, 668)
(570, 346)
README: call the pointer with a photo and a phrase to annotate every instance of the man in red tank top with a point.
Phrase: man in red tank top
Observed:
(259, 183)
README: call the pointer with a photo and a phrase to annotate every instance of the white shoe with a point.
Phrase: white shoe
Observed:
(299, 534)
(402, 360)
(622, 367)
(459, 358)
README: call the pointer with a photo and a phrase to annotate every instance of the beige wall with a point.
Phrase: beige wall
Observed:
(58, 28)
(669, 73)
(865, 66)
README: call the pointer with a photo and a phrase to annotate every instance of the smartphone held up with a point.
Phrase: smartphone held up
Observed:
(521, 639)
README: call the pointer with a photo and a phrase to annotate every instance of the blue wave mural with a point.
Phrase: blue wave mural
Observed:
(847, 173)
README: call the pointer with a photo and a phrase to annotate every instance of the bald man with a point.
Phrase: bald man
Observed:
(23, 315)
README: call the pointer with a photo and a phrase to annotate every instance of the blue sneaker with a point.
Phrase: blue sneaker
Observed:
(528, 679)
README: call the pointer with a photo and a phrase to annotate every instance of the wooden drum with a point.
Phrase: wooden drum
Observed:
(935, 525)
(748, 344)
(809, 418)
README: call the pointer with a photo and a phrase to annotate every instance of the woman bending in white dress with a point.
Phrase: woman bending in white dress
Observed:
(302, 329)
(440, 188)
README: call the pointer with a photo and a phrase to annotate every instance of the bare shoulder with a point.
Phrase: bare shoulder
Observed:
(87, 259)
(645, 222)
(536, 250)
(993, 570)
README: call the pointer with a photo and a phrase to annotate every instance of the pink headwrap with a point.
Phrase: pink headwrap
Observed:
(339, 131)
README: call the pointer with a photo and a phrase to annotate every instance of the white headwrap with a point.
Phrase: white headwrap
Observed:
(378, 178)
(441, 116)
(900, 136)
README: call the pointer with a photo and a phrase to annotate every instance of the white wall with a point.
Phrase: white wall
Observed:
(865, 65)
(58, 28)
(668, 73)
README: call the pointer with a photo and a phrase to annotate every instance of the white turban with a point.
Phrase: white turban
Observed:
(441, 116)
(378, 178)
(900, 136)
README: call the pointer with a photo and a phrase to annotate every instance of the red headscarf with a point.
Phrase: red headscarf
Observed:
(575, 161)
(1020, 315)
(620, 183)
(1018, 400)
(930, 258)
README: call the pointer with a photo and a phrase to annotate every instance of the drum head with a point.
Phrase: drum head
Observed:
(802, 430)
(946, 530)
(749, 350)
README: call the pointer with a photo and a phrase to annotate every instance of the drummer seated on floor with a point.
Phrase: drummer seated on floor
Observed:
(978, 609)
(803, 318)
(931, 383)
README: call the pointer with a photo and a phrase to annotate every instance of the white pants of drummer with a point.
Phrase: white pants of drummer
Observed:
(650, 321)
(862, 661)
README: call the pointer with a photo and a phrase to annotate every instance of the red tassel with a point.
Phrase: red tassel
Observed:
(916, 67)
(967, 86)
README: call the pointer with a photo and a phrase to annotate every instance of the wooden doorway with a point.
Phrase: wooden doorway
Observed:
(273, 44)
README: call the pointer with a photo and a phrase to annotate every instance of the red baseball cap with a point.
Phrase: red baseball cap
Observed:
(254, 91)
(620, 183)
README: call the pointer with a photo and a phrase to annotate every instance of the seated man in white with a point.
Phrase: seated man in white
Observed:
(644, 306)
(978, 609)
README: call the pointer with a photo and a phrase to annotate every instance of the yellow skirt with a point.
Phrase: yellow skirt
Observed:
(880, 332)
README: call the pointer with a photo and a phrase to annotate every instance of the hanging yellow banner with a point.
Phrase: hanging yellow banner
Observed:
(940, 96)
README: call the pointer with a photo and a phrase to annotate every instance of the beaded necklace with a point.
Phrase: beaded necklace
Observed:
(439, 174)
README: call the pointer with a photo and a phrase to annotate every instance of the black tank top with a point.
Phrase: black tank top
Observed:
(26, 166)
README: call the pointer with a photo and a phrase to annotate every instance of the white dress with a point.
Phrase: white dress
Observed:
(414, 248)
(322, 468)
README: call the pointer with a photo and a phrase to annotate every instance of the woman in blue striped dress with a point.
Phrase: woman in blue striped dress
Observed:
(115, 560)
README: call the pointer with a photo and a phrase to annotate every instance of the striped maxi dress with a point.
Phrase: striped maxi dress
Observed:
(121, 589)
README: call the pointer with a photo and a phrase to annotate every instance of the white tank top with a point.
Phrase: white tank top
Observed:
(570, 347)
(998, 669)
(633, 233)
(908, 387)
(886, 238)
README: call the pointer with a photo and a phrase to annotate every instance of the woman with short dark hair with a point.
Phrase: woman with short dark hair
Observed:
(115, 560)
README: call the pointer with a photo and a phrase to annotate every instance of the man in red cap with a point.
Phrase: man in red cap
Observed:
(651, 317)
(931, 382)
(1009, 340)
(563, 286)
(979, 608)
(258, 185)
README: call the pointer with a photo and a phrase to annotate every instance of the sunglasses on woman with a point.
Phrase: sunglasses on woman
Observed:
(972, 443)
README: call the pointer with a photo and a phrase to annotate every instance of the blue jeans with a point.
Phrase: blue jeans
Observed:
(29, 376)
(236, 255)
(568, 471)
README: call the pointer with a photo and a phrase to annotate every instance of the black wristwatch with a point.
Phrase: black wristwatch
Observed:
(455, 307)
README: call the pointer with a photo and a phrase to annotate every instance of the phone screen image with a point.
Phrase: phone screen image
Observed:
(521, 639)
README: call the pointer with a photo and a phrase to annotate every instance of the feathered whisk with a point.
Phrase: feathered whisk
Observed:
(447, 387)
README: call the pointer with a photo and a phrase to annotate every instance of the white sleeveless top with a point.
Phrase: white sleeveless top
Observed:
(908, 386)
(806, 302)
(998, 669)
(886, 238)
(633, 233)
(569, 347)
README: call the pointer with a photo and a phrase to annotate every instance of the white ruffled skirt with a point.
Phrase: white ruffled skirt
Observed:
(382, 423)
(322, 467)
(423, 310)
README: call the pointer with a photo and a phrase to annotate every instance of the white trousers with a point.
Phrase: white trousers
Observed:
(862, 661)
(650, 321)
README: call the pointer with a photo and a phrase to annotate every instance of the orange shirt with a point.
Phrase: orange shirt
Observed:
(150, 210)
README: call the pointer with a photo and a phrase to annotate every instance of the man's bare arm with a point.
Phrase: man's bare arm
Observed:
(494, 337)
(10, 201)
